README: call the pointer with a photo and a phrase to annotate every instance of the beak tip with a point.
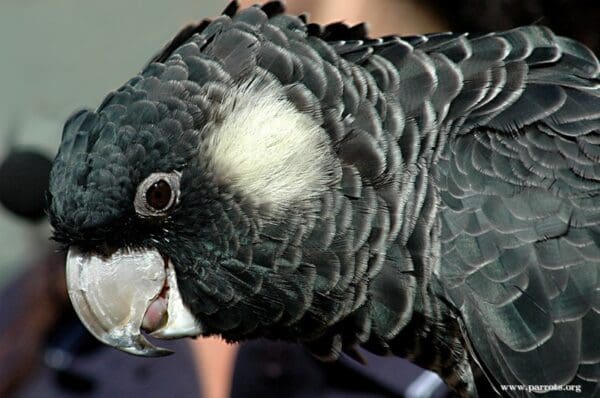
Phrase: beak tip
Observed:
(146, 351)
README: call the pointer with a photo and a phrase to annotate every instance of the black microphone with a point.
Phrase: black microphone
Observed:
(24, 178)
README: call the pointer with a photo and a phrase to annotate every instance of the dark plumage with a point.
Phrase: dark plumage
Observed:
(450, 208)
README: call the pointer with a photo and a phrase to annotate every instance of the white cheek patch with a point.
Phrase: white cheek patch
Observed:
(269, 151)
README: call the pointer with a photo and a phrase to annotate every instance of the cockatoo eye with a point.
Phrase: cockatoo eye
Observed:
(157, 194)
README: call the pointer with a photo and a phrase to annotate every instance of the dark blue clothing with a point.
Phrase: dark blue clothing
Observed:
(75, 364)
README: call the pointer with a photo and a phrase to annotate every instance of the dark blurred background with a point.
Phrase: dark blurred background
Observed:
(578, 19)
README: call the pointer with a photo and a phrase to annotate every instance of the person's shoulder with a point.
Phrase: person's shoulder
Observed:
(273, 369)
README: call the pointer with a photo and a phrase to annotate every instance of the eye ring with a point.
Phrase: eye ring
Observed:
(157, 194)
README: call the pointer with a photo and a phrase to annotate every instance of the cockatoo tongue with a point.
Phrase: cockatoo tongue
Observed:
(155, 314)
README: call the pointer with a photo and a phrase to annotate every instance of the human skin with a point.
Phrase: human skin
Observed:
(215, 361)
(384, 17)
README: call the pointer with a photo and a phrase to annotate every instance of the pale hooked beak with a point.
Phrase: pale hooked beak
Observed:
(115, 297)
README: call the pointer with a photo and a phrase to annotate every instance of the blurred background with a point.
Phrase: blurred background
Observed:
(63, 55)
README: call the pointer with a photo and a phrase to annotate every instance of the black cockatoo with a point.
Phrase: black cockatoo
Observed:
(435, 197)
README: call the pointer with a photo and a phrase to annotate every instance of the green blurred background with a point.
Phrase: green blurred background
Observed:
(57, 56)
